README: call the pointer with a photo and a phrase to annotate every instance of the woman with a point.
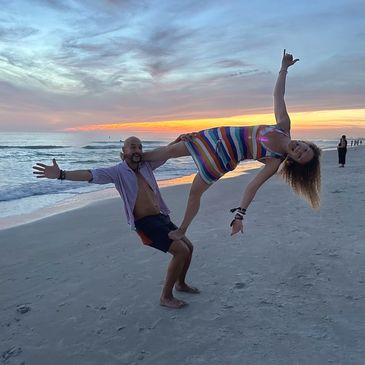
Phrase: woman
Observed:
(219, 150)
(342, 150)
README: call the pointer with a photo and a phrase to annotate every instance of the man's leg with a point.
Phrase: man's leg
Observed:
(180, 253)
(180, 284)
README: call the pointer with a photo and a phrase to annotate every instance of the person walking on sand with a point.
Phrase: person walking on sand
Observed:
(219, 150)
(342, 150)
(145, 209)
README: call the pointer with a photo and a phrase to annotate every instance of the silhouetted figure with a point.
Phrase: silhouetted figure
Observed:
(342, 149)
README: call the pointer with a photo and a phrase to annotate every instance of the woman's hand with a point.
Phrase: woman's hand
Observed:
(287, 60)
(237, 226)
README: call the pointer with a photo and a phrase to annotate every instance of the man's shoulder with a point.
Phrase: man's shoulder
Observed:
(153, 165)
(121, 168)
(146, 165)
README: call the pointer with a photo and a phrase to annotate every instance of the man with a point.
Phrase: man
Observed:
(145, 209)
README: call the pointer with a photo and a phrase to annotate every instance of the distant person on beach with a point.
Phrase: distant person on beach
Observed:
(219, 150)
(342, 150)
(145, 209)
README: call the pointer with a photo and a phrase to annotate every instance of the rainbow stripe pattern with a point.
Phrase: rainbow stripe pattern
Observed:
(219, 150)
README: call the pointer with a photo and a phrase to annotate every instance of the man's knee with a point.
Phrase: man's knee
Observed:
(179, 248)
(189, 245)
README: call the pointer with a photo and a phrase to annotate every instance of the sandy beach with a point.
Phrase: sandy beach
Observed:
(79, 288)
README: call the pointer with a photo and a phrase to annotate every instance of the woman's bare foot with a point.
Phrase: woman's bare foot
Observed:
(172, 303)
(186, 288)
(176, 235)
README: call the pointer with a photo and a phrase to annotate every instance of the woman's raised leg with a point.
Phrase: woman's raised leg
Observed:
(198, 187)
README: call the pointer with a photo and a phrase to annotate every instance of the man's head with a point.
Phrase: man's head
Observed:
(132, 151)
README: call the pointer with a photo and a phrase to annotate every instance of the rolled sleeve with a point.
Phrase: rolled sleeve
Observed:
(104, 175)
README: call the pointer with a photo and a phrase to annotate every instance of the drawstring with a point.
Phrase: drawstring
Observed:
(218, 145)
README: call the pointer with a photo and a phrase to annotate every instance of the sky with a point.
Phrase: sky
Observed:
(165, 67)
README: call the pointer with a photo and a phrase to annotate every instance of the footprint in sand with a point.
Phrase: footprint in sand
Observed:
(12, 352)
(265, 302)
(351, 297)
(240, 285)
(23, 308)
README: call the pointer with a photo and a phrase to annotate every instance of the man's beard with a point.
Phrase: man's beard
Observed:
(136, 158)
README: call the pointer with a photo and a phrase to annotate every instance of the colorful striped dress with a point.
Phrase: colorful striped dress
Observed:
(219, 150)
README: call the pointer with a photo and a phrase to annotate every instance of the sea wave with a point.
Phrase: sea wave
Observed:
(106, 147)
(21, 191)
(40, 147)
(95, 162)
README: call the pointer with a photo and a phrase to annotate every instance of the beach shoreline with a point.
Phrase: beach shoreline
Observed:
(79, 288)
(85, 199)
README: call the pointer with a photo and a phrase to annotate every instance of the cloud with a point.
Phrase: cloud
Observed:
(337, 82)
(16, 33)
(231, 63)
(132, 60)
(56, 4)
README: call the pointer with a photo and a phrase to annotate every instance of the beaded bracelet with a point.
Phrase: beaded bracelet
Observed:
(62, 175)
(240, 213)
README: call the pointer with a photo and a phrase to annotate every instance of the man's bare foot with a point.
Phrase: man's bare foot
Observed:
(172, 303)
(176, 235)
(187, 289)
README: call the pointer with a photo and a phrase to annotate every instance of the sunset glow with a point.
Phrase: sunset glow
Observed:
(179, 66)
(317, 122)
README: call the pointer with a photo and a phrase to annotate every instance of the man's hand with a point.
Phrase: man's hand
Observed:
(237, 226)
(287, 60)
(50, 172)
(187, 136)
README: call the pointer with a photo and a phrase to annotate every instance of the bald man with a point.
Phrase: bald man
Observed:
(145, 209)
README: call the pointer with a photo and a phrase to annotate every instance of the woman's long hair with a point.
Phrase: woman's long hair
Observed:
(305, 179)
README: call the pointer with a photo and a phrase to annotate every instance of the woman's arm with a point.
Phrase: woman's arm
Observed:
(269, 170)
(281, 114)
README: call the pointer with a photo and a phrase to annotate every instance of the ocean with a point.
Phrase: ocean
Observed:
(22, 194)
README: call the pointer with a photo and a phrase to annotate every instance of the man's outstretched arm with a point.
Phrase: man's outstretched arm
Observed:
(54, 172)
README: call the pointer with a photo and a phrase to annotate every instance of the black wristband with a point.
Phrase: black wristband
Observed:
(240, 211)
(62, 175)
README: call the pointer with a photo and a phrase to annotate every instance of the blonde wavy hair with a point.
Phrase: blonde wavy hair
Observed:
(304, 179)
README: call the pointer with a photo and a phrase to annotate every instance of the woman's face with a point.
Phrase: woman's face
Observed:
(300, 151)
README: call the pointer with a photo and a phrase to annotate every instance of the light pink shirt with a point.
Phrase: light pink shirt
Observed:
(125, 181)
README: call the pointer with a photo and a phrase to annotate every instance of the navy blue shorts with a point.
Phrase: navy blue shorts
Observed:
(154, 229)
